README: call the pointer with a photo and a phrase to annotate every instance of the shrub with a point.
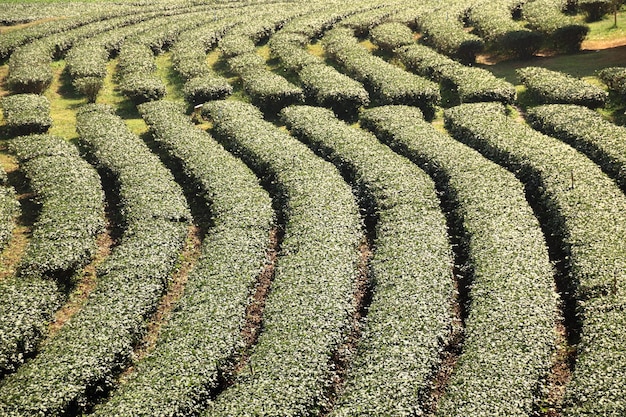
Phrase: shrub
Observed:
(583, 215)
(548, 86)
(62, 242)
(587, 131)
(498, 372)
(329, 88)
(206, 326)
(392, 35)
(307, 312)
(448, 36)
(29, 68)
(403, 200)
(471, 84)
(594, 9)
(386, 83)
(494, 23)
(563, 32)
(210, 87)
(26, 113)
(614, 78)
(90, 349)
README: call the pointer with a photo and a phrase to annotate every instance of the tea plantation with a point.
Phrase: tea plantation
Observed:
(310, 208)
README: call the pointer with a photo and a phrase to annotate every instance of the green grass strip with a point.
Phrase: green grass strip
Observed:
(509, 331)
(308, 310)
(585, 212)
(410, 315)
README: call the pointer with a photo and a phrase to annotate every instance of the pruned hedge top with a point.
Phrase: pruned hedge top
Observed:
(553, 87)
(26, 113)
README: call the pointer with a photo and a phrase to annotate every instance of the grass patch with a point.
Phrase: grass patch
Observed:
(605, 32)
(582, 64)
(64, 103)
(316, 49)
(173, 81)
(109, 94)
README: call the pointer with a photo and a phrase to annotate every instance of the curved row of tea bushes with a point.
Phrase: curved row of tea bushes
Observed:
(96, 343)
(471, 84)
(563, 33)
(26, 113)
(614, 78)
(12, 40)
(410, 316)
(587, 131)
(309, 308)
(72, 206)
(493, 22)
(29, 65)
(322, 84)
(9, 208)
(386, 83)
(63, 241)
(361, 23)
(204, 332)
(442, 28)
(137, 74)
(585, 212)
(509, 332)
(87, 60)
(554, 87)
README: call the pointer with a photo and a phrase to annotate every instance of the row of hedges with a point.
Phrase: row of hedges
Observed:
(614, 78)
(470, 84)
(63, 241)
(509, 331)
(26, 113)
(413, 288)
(584, 212)
(547, 86)
(136, 71)
(202, 84)
(443, 29)
(309, 308)
(587, 131)
(493, 22)
(391, 35)
(322, 84)
(81, 360)
(563, 33)
(205, 328)
(9, 208)
(386, 83)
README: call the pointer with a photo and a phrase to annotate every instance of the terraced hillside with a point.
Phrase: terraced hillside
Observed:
(320, 208)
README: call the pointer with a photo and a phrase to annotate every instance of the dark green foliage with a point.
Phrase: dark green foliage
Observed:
(307, 312)
(329, 88)
(563, 33)
(583, 211)
(9, 207)
(615, 79)
(386, 83)
(499, 371)
(554, 87)
(587, 131)
(404, 200)
(471, 84)
(594, 9)
(493, 21)
(446, 34)
(26, 113)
